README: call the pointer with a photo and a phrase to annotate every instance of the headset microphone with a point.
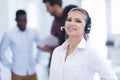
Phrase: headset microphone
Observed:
(62, 28)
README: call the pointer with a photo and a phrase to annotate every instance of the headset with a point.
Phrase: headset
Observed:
(88, 20)
(88, 25)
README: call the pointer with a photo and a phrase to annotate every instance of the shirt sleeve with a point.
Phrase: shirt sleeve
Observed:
(3, 47)
(37, 40)
(38, 56)
(103, 68)
(37, 36)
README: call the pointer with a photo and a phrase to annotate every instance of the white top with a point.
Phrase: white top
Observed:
(81, 64)
(51, 41)
(21, 44)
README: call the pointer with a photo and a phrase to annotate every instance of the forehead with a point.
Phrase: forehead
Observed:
(76, 13)
(48, 4)
(21, 17)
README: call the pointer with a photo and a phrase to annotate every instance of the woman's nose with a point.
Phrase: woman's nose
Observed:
(72, 23)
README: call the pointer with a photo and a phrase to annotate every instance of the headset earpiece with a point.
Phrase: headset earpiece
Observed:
(88, 26)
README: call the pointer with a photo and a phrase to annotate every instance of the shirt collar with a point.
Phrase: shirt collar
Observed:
(65, 44)
(17, 29)
(81, 45)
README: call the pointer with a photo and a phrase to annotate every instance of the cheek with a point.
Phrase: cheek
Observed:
(66, 25)
(48, 8)
(65, 28)
(81, 28)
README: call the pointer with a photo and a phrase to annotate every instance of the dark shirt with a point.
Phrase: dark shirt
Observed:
(55, 30)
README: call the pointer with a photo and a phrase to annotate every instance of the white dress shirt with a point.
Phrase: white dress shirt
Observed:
(21, 44)
(81, 64)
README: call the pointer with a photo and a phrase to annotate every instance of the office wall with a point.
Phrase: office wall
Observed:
(3, 16)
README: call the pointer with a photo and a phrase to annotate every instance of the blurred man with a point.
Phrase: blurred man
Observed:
(21, 41)
(54, 7)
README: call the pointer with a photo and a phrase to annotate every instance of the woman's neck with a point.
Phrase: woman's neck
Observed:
(73, 42)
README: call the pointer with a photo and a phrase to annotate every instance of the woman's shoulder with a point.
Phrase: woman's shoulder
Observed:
(58, 49)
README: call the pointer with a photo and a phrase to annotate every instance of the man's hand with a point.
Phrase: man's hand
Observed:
(46, 48)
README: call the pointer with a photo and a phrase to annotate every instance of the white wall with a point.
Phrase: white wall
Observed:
(4, 19)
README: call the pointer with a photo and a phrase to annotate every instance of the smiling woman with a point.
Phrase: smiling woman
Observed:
(77, 55)
(38, 17)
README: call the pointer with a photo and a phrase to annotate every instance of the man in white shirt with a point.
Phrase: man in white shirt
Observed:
(21, 41)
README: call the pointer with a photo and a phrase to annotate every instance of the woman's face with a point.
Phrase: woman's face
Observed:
(75, 23)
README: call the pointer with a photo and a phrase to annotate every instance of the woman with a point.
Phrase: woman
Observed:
(76, 59)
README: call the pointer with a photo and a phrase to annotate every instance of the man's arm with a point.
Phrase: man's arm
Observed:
(3, 47)
(46, 48)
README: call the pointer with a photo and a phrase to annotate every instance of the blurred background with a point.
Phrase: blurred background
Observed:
(105, 32)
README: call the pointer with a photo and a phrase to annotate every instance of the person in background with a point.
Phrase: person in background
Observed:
(76, 58)
(21, 41)
(54, 7)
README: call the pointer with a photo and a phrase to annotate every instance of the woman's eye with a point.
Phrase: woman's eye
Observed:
(68, 19)
(78, 21)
